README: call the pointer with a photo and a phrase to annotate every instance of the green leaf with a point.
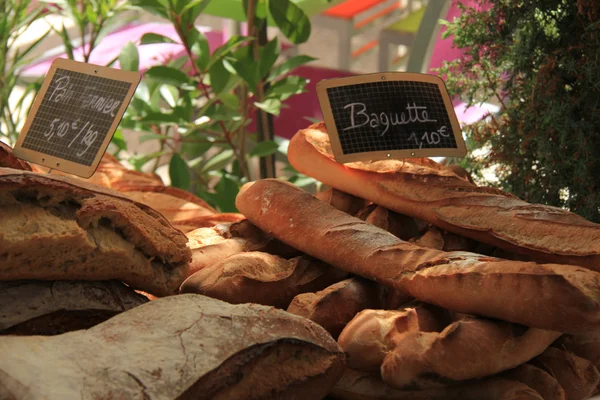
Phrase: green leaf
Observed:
(217, 162)
(291, 20)
(226, 49)
(129, 57)
(151, 38)
(119, 140)
(66, 41)
(272, 106)
(168, 75)
(227, 190)
(219, 76)
(303, 181)
(287, 87)
(157, 117)
(156, 7)
(289, 65)
(200, 4)
(200, 48)
(170, 94)
(263, 149)
(268, 56)
(179, 172)
(230, 100)
(138, 161)
(245, 69)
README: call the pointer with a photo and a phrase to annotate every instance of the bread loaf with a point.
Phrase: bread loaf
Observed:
(520, 292)
(334, 306)
(398, 225)
(355, 385)
(436, 195)
(210, 246)
(57, 228)
(8, 160)
(373, 334)
(537, 379)
(585, 345)
(261, 278)
(577, 376)
(55, 307)
(178, 347)
(342, 201)
(466, 349)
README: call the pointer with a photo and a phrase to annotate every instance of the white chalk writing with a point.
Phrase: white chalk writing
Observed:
(359, 117)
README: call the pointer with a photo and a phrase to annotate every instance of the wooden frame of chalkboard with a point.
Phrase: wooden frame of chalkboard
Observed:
(400, 127)
(74, 116)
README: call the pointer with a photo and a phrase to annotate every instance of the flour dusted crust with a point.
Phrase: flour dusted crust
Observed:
(186, 347)
(58, 228)
(435, 194)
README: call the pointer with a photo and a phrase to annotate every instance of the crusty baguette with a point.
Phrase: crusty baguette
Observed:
(585, 345)
(437, 195)
(177, 347)
(356, 385)
(255, 277)
(520, 292)
(55, 307)
(466, 349)
(373, 334)
(537, 379)
(334, 306)
(577, 376)
(342, 201)
(398, 225)
(211, 245)
(57, 228)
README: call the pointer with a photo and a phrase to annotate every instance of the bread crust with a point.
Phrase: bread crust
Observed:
(436, 195)
(187, 345)
(514, 291)
(62, 228)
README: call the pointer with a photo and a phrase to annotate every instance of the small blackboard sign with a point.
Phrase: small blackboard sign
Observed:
(389, 115)
(75, 115)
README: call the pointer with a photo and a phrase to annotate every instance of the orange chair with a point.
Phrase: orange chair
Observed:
(354, 16)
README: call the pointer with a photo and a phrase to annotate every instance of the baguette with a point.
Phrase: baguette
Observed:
(261, 278)
(520, 292)
(52, 308)
(438, 196)
(585, 345)
(58, 228)
(8, 160)
(537, 379)
(342, 201)
(466, 349)
(356, 385)
(398, 225)
(577, 376)
(334, 306)
(177, 347)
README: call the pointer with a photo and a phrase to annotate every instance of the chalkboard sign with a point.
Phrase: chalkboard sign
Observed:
(75, 115)
(389, 115)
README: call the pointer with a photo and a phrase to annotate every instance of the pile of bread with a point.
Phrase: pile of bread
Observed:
(404, 280)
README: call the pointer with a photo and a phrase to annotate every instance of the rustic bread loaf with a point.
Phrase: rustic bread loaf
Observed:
(57, 228)
(8, 160)
(256, 277)
(342, 201)
(514, 291)
(435, 194)
(334, 306)
(178, 347)
(577, 376)
(55, 307)
(356, 385)
(211, 245)
(537, 379)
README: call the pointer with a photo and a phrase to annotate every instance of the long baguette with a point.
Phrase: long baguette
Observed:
(438, 196)
(548, 296)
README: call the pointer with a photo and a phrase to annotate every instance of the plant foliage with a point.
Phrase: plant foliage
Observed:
(540, 61)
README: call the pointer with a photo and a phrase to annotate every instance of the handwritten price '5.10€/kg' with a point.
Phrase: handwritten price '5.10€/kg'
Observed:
(86, 136)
